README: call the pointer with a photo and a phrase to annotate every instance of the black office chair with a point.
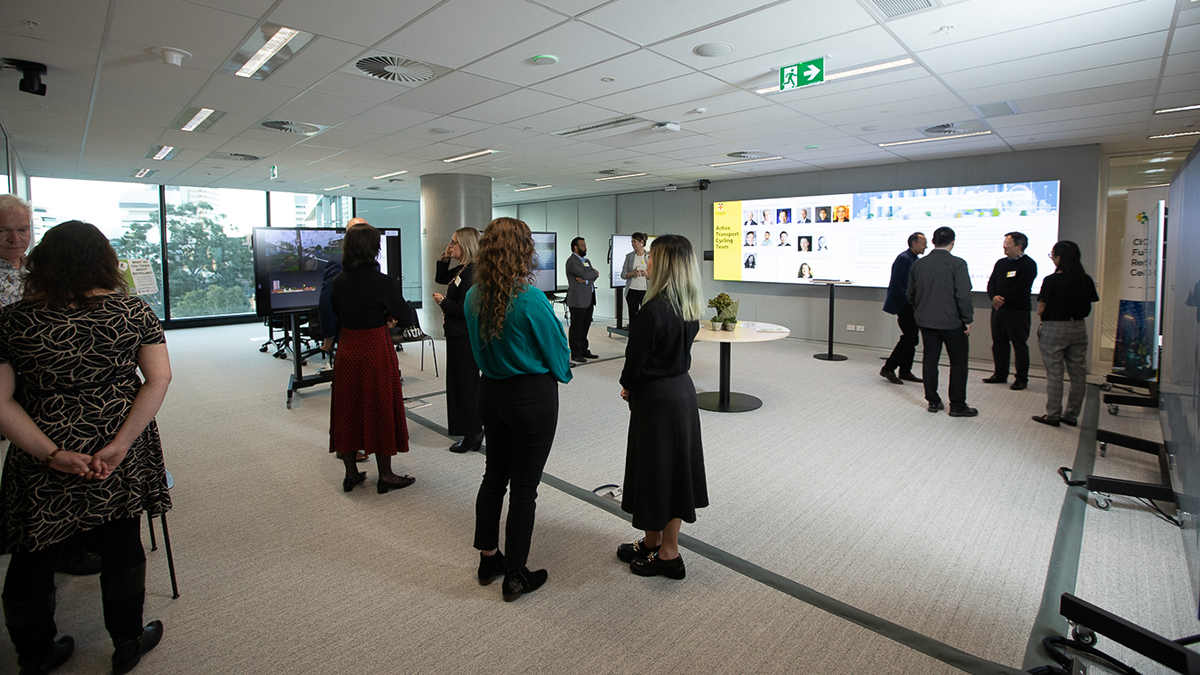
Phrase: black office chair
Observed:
(278, 344)
(400, 337)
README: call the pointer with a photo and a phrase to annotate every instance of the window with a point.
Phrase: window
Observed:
(296, 209)
(404, 216)
(209, 259)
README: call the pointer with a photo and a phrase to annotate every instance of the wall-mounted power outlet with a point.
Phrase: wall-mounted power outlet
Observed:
(850, 327)
(861, 329)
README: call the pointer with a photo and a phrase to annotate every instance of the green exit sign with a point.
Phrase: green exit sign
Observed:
(802, 74)
(274, 172)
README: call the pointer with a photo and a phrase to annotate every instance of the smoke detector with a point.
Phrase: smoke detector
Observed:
(290, 127)
(394, 69)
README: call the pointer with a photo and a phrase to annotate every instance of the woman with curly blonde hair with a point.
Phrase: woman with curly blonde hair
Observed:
(522, 351)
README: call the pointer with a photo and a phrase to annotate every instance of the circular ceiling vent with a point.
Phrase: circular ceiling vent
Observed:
(395, 69)
(236, 156)
(749, 154)
(291, 127)
(954, 128)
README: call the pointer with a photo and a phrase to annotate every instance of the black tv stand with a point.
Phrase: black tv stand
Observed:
(298, 380)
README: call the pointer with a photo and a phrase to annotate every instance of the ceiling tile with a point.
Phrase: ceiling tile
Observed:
(973, 20)
(1067, 99)
(386, 119)
(452, 92)
(943, 106)
(59, 101)
(686, 88)
(457, 126)
(63, 22)
(244, 96)
(252, 8)
(1097, 77)
(385, 16)
(649, 22)
(628, 72)
(1183, 64)
(1185, 39)
(209, 35)
(1075, 112)
(1141, 47)
(880, 95)
(513, 106)
(185, 139)
(478, 27)
(317, 59)
(360, 87)
(128, 109)
(576, 44)
(232, 124)
(150, 80)
(18, 122)
(71, 67)
(773, 115)
(317, 107)
(563, 118)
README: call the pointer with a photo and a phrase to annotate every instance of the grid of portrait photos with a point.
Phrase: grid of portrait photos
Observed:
(791, 244)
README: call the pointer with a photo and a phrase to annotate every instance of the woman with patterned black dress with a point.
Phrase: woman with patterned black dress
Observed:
(367, 407)
(462, 374)
(85, 455)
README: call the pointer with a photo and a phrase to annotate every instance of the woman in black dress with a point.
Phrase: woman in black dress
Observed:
(1065, 301)
(462, 375)
(85, 455)
(367, 408)
(664, 460)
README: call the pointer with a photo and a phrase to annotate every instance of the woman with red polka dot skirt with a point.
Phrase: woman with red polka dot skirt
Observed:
(367, 410)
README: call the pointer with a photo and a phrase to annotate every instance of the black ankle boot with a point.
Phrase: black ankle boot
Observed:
(127, 653)
(31, 626)
(123, 595)
(468, 443)
(519, 582)
(490, 567)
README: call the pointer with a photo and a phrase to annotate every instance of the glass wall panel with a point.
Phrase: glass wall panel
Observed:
(127, 213)
(209, 259)
(406, 217)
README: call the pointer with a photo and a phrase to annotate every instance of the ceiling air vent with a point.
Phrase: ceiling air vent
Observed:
(748, 154)
(394, 69)
(235, 156)
(293, 127)
(1001, 109)
(602, 125)
(954, 129)
(894, 8)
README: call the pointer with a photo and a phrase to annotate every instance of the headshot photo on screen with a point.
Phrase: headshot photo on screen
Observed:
(804, 243)
(805, 272)
(768, 216)
(783, 239)
(783, 216)
(803, 217)
(841, 214)
(766, 239)
(750, 263)
(748, 219)
(751, 239)
(822, 214)
(821, 245)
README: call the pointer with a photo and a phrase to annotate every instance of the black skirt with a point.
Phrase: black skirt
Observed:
(462, 388)
(664, 458)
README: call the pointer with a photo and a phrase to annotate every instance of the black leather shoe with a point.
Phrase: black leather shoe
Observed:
(996, 379)
(963, 411)
(935, 406)
(652, 565)
(129, 652)
(382, 486)
(909, 377)
(890, 376)
(1048, 421)
(522, 581)
(1018, 385)
(578, 359)
(468, 443)
(1068, 422)
(63, 648)
(589, 355)
(349, 482)
(638, 549)
(490, 567)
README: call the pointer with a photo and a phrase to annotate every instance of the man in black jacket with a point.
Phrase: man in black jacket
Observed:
(1009, 289)
(939, 289)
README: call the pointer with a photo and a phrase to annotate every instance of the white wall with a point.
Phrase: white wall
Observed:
(805, 310)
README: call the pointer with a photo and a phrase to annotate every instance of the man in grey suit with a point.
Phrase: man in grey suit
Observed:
(939, 290)
(581, 299)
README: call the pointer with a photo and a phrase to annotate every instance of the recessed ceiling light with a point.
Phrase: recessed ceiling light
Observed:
(1175, 135)
(849, 73)
(441, 130)
(713, 49)
(608, 79)
(389, 175)
(1171, 110)
(622, 175)
(936, 138)
(337, 187)
(544, 60)
(164, 151)
(1156, 160)
(479, 153)
(872, 127)
(267, 48)
(1155, 171)
(535, 187)
(747, 161)
(264, 54)
(197, 119)
(145, 173)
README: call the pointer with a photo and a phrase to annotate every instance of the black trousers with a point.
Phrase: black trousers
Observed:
(31, 574)
(906, 348)
(577, 336)
(958, 349)
(462, 388)
(520, 416)
(634, 300)
(1011, 327)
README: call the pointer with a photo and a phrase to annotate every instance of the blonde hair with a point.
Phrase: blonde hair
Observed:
(468, 241)
(675, 274)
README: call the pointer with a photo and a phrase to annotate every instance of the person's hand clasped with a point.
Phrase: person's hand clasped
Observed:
(71, 462)
(438, 297)
(624, 394)
(391, 323)
(997, 302)
(106, 460)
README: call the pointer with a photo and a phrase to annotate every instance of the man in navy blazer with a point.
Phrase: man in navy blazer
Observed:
(897, 303)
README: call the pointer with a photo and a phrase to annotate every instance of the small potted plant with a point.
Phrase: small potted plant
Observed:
(726, 307)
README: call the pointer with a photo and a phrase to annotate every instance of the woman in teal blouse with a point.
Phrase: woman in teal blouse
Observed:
(522, 352)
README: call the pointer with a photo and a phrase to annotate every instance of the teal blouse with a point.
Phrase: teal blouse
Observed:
(533, 341)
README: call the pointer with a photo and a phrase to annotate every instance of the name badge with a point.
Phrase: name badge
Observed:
(457, 281)
(1011, 274)
(587, 263)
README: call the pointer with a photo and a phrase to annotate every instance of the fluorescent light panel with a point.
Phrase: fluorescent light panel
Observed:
(460, 158)
(337, 187)
(143, 173)
(264, 54)
(1181, 133)
(747, 161)
(197, 119)
(935, 138)
(389, 175)
(624, 175)
(1171, 110)
(163, 151)
(536, 187)
(849, 73)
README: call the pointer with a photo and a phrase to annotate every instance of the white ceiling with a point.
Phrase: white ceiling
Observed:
(1079, 71)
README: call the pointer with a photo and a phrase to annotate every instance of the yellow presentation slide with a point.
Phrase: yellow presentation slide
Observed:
(727, 241)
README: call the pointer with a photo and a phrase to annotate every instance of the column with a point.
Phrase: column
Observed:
(449, 201)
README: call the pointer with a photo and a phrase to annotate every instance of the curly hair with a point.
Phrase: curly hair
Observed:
(504, 266)
(72, 261)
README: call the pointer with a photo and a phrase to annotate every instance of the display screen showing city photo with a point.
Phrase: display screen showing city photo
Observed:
(545, 244)
(856, 236)
(290, 262)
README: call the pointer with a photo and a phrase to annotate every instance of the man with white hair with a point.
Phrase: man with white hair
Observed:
(16, 218)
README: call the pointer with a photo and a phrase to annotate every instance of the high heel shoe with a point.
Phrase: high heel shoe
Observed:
(490, 567)
(349, 482)
(468, 443)
(382, 486)
(519, 582)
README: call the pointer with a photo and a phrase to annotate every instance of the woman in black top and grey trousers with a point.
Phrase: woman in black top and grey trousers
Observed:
(1065, 301)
